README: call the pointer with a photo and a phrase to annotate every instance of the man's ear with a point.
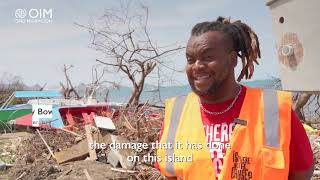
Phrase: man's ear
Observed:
(233, 58)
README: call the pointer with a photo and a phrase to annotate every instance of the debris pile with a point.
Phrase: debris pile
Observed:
(69, 153)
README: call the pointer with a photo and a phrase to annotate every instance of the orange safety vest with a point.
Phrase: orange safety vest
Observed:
(259, 143)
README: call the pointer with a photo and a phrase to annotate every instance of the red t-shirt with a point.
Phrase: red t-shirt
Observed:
(218, 129)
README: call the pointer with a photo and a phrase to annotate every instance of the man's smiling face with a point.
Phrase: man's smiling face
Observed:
(208, 62)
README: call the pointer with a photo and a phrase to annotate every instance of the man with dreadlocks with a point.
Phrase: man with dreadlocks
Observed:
(226, 130)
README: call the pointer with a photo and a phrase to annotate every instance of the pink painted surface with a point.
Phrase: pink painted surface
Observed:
(27, 121)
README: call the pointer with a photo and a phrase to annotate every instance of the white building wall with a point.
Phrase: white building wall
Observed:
(301, 31)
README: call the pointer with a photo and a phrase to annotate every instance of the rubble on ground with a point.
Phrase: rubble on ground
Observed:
(72, 157)
(24, 155)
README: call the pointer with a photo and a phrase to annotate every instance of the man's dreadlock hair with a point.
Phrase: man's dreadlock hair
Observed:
(244, 41)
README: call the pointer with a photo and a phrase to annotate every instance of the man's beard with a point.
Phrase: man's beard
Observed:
(214, 86)
(211, 90)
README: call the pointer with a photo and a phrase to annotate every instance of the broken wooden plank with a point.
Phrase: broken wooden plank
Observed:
(71, 132)
(65, 173)
(77, 152)
(123, 170)
(21, 176)
(127, 123)
(92, 152)
(87, 174)
(45, 143)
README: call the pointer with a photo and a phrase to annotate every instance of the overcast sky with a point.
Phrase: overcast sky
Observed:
(37, 52)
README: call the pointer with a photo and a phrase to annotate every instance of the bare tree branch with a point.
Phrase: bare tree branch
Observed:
(68, 88)
(126, 41)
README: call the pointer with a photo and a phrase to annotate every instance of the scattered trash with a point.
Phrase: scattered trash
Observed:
(104, 123)
(2, 166)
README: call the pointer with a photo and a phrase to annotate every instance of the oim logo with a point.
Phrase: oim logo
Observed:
(20, 13)
(33, 15)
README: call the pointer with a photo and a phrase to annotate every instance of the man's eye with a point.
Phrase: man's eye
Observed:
(190, 61)
(208, 58)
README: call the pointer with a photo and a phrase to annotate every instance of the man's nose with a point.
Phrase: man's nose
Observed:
(199, 64)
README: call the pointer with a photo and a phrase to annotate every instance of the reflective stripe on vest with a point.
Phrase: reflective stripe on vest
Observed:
(271, 118)
(174, 122)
